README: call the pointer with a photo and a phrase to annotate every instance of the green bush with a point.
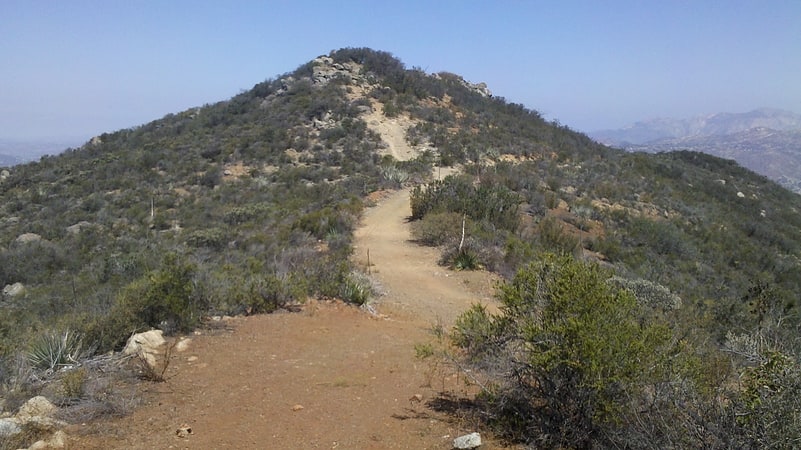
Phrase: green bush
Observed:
(163, 298)
(329, 221)
(553, 238)
(268, 293)
(214, 238)
(566, 358)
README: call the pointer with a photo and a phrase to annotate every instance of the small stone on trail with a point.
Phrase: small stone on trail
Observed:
(297, 407)
(183, 431)
(472, 440)
(183, 344)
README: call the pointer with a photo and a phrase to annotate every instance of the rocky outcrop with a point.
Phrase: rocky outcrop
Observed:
(479, 88)
(9, 427)
(325, 69)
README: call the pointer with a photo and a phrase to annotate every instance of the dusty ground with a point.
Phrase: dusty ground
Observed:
(331, 376)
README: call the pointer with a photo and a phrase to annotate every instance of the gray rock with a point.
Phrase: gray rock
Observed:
(9, 427)
(324, 69)
(28, 237)
(13, 290)
(472, 440)
(75, 229)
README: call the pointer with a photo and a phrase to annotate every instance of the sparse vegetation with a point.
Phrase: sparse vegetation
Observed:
(249, 205)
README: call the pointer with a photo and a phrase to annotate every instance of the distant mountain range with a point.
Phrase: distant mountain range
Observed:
(765, 140)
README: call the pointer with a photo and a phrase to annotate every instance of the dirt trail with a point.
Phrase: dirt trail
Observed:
(415, 286)
(392, 131)
(352, 373)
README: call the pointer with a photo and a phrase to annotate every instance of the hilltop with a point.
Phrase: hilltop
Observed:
(250, 205)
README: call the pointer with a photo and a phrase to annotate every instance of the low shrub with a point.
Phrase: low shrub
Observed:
(495, 204)
(437, 229)
(464, 258)
(214, 238)
(553, 238)
(73, 384)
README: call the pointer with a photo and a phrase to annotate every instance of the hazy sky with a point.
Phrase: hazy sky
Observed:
(79, 68)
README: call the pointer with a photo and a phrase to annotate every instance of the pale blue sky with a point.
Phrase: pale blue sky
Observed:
(79, 68)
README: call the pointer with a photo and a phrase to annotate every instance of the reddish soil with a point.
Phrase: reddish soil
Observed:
(331, 376)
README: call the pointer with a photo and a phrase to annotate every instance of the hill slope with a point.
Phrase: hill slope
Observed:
(249, 205)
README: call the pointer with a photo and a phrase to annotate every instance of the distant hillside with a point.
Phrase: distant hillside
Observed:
(248, 205)
(767, 141)
(775, 154)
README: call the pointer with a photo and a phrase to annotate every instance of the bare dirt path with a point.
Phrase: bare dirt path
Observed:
(415, 287)
(331, 376)
(392, 131)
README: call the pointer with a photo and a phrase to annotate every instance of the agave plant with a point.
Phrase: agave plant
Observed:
(54, 349)
(394, 174)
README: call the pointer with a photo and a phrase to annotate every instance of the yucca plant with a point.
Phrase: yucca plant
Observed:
(465, 259)
(357, 288)
(55, 349)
